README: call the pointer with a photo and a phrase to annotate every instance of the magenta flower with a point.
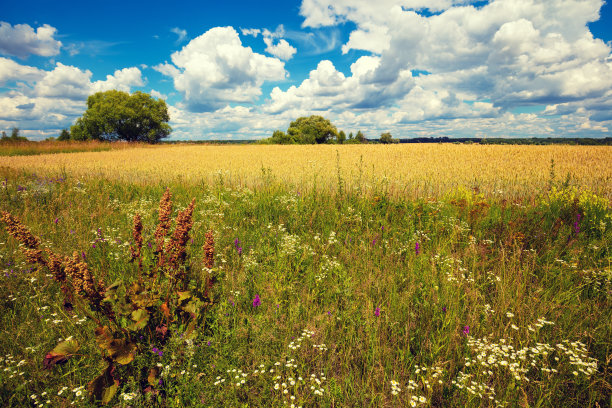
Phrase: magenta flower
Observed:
(466, 330)
(377, 311)
(256, 301)
(417, 248)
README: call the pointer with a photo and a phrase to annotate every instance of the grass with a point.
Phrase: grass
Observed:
(506, 301)
(38, 148)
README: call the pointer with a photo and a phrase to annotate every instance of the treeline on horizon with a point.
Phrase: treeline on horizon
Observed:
(459, 140)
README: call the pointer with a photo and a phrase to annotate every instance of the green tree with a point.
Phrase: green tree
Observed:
(312, 129)
(280, 137)
(386, 138)
(64, 135)
(117, 115)
(341, 136)
(360, 137)
(350, 135)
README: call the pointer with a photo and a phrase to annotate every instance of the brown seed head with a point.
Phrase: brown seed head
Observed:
(209, 250)
(137, 235)
(165, 210)
(19, 231)
(176, 247)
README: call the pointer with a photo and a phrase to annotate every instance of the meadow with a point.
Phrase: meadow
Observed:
(307, 276)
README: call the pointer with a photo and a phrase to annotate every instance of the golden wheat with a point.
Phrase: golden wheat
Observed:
(414, 169)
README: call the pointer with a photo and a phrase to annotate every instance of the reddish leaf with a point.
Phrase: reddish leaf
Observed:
(61, 353)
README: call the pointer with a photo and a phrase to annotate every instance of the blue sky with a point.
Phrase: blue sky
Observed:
(239, 70)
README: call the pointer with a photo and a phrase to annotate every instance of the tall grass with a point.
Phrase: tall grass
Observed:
(51, 147)
(326, 300)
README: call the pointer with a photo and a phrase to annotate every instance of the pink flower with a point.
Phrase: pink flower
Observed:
(417, 248)
(377, 311)
(466, 330)
(256, 301)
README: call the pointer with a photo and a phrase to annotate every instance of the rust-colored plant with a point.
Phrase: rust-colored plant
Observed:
(132, 317)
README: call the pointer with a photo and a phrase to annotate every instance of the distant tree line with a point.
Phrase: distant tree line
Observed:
(316, 129)
(13, 138)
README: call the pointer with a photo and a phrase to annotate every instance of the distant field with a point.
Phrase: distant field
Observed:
(414, 170)
(37, 148)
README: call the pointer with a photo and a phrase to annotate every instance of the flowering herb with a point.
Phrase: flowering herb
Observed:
(256, 301)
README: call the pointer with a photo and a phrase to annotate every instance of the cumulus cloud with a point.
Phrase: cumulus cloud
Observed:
(254, 32)
(12, 71)
(47, 101)
(21, 40)
(481, 60)
(215, 69)
(282, 49)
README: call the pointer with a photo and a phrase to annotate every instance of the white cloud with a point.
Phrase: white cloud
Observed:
(250, 31)
(21, 40)
(215, 69)
(47, 101)
(281, 49)
(182, 34)
(12, 71)
(482, 60)
(122, 80)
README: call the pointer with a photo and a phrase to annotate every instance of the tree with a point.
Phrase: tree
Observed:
(341, 136)
(360, 137)
(14, 136)
(64, 135)
(350, 135)
(386, 138)
(280, 137)
(116, 115)
(312, 129)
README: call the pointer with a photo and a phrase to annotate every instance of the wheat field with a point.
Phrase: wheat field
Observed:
(401, 170)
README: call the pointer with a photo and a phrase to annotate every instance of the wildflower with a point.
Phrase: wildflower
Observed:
(417, 248)
(256, 301)
(466, 330)
(56, 220)
(443, 309)
(377, 311)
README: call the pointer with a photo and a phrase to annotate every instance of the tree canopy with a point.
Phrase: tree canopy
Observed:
(116, 115)
(312, 129)
(387, 138)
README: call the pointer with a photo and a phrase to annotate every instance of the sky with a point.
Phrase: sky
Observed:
(242, 69)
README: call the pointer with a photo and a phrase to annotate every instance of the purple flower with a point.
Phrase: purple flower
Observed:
(236, 243)
(466, 330)
(83, 255)
(576, 225)
(208, 343)
(417, 248)
(56, 220)
(239, 251)
(256, 301)
(443, 309)
(377, 311)
(160, 382)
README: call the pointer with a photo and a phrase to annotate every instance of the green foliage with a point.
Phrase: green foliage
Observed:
(280, 137)
(386, 138)
(360, 137)
(341, 137)
(64, 135)
(14, 138)
(311, 130)
(583, 210)
(116, 115)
